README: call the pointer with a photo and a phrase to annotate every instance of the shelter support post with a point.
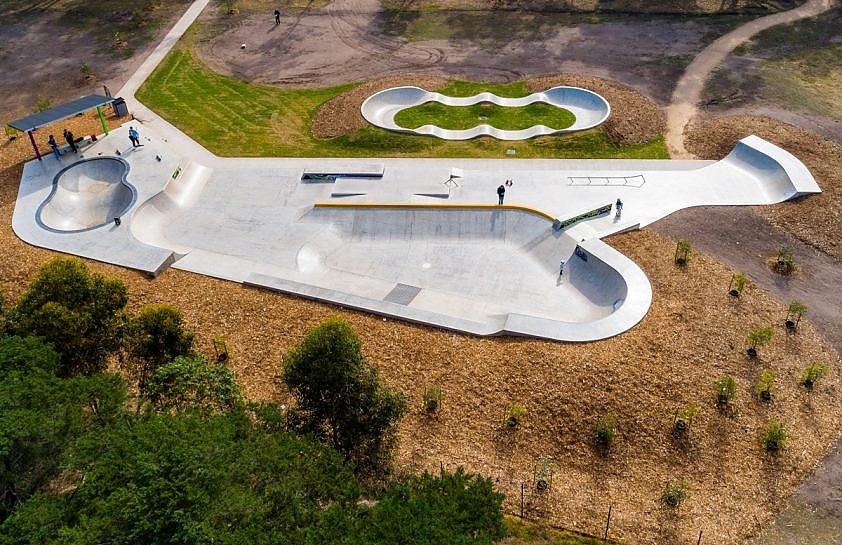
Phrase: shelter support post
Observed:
(102, 120)
(34, 145)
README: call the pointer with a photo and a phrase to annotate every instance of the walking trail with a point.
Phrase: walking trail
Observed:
(685, 98)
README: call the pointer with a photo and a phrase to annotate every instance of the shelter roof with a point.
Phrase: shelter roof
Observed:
(62, 111)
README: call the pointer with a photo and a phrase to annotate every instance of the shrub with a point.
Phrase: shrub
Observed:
(738, 284)
(726, 389)
(153, 338)
(606, 431)
(774, 437)
(795, 311)
(682, 252)
(758, 338)
(44, 103)
(674, 493)
(684, 419)
(515, 415)
(784, 263)
(813, 373)
(432, 398)
(192, 383)
(765, 388)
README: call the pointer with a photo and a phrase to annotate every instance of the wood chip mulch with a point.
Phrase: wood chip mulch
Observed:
(814, 219)
(693, 334)
(635, 119)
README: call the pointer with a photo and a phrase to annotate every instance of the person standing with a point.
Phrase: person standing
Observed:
(53, 145)
(501, 193)
(277, 17)
(69, 137)
(134, 137)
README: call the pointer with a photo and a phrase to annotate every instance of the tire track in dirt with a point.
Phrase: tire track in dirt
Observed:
(354, 22)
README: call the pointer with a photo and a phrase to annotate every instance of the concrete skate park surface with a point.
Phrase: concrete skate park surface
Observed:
(87, 194)
(590, 109)
(419, 239)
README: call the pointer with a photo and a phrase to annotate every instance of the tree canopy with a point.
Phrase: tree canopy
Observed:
(339, 396)
(153, 338)
(80, 313)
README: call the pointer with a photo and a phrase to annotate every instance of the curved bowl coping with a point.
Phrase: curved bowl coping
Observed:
(628, 281)
(87, 195)
(590, 109)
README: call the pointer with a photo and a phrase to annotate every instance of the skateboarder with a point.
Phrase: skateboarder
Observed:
(134, 136)
(501, 192)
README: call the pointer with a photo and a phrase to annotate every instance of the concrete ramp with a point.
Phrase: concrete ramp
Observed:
(782, 175)
(151, 219)
(590, 109)
(86, 195)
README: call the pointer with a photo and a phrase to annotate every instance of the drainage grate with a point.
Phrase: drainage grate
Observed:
(402, 294)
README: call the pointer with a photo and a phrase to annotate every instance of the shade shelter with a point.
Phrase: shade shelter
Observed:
(62, 111)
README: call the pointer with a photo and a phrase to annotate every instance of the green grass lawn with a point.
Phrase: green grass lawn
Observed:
(485, 113)
(236, 118)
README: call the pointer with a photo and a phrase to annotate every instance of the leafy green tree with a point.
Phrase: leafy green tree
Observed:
(41, 415)
(447, 508)
(154, 337)
(25, 355)
(191, 383)
(80, 313)
(166, 478)
(339, 396)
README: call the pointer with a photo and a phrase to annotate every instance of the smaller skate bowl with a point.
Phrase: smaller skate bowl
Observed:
(86, 195)
(590, 109)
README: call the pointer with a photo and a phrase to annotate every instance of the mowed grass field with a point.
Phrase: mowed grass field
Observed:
(241, 119)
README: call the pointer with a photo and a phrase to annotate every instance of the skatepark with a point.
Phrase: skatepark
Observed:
(418, 239)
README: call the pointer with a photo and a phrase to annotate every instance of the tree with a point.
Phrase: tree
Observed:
(339, 396)
(154, 337)
(41, 415)
(446, 508)
(80, 313)
(25, 355)
(190, 382)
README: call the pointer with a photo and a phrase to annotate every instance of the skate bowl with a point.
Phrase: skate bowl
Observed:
(86, 195)
(421, 263)
(589, 108)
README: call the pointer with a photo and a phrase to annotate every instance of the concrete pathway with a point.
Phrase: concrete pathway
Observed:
(685, 99)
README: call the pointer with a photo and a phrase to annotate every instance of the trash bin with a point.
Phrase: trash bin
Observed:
(120, 108)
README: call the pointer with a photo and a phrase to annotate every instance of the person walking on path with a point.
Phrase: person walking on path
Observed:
(69, 137)
(561, 268)
(53, 145)
(619, 206)
(134, 137)
(501, 192)
(277, 17)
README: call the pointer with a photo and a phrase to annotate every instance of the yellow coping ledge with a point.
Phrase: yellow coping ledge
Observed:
(436, 206)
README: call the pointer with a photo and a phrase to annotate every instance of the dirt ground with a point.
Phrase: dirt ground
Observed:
(735, 490)
(41, 52)
(344, 42)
